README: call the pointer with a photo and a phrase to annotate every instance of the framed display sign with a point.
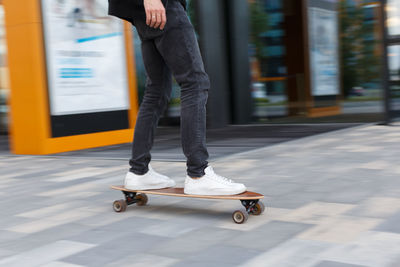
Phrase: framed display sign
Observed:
(323, 51)
(86, 67)
(72, 76)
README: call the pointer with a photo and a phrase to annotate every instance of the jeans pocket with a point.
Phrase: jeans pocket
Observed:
(151, 32)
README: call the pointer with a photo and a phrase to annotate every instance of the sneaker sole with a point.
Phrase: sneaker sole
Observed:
(203, 193)
(141, 187)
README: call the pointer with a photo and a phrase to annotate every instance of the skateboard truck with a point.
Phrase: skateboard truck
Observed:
(250, 205)
(130, 197)
(139, 199)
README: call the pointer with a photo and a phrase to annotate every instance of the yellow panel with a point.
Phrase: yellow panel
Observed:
(70, 143)
(28, 113)
(325, 111)
(22, 11)
(131, 67)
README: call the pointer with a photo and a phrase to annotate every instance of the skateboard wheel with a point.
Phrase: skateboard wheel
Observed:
(119, 205)
(142, 199)
(240, 216)
(258, 208)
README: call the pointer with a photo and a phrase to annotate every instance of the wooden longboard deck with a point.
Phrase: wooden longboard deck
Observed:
(178, 192)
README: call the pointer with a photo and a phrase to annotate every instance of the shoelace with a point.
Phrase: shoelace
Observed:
(223, 179)
(219, 178)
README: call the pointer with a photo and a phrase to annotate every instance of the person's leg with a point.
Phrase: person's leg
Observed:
(155, 100)
(179, 48)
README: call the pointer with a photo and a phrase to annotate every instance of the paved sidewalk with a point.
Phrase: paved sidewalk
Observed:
(333, 201)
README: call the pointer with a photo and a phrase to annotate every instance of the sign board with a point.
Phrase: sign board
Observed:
(86, 65)
(324, 49)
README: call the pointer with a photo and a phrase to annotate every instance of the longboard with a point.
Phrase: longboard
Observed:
(250, 200)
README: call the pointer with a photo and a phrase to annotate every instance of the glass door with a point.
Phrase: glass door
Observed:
(393, 23)
(267, 59)
(4, 84)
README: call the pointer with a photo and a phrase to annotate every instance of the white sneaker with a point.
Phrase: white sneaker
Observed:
(149, 180)
(212, 184)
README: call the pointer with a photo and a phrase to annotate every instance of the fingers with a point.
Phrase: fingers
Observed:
(156, 18)
(155, 13)
(152, 19)
(163, 21)
(158, 21)
(148, 17)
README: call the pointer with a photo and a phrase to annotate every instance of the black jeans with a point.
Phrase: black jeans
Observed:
(173, 50)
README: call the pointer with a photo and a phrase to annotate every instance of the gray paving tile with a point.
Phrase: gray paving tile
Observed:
(7, 222)
(115, 249)
(395, 262)
(268, 235)
(294, 252)
(356, 167)
(392, 224)
(44, 254)
(350, 195)
(129, 224)
(371, 248)
(9, 235)
(207, 263)
(295, 200)
(336, 264)
(6, 253)
(193, 242)
(144, 259)
(96, 236)
(224, 253)
(30, 241)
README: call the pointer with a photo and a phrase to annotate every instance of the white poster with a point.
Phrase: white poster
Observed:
(323, 40)
(85, 54)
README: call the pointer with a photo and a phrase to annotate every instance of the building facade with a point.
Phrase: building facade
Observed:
(268, 63)
(282, 61)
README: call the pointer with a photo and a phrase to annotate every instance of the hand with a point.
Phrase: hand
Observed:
(155, 13)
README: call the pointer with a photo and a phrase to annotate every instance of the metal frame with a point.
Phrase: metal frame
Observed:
(249, 205)
(130, 197)
(387, 41)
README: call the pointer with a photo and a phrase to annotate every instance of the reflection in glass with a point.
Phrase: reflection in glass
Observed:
(267, 55)
(394, 76)
(360, 57)
(394, 62)
(4, 84)
(393, 13)
(395, 97)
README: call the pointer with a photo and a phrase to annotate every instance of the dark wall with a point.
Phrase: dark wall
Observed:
(295, 61)
(212, 37)
(238, 39)
(223, 36)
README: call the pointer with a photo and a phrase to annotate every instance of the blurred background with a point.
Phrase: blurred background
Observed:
(344, 48)
(71, 81)
(273, 61)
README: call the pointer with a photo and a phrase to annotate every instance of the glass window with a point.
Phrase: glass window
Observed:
(360, 59)
(4, 85)
(276, 97)
(395, 97)
(267, 59)
(394, 76)
(393, 13)
(394, 62)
